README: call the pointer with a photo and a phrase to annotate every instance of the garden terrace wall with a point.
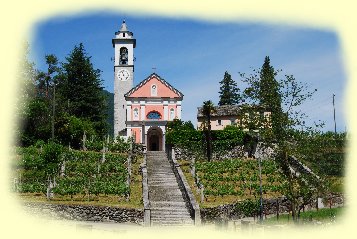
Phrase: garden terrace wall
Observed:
(230, 211)
(85, 213)
(237, 152)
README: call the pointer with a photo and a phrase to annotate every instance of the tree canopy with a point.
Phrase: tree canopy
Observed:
(63, 102)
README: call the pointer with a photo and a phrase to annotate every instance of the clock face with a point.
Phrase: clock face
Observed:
(123, 75)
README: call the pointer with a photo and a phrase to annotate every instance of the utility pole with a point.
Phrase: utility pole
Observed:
(261, 191)
(334, 112)
(53, 111)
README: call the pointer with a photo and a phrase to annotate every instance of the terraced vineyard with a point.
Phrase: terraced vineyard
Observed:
(236, 179)
(77, 176)
(85, 174)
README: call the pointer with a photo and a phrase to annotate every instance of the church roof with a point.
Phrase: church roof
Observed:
(156, 76)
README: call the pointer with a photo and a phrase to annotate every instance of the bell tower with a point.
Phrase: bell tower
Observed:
(124, 44)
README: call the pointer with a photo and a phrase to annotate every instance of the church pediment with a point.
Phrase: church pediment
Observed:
(154, 87)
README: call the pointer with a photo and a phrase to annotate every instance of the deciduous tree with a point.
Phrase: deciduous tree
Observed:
(280, 130)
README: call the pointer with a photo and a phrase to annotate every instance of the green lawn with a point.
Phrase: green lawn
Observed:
(323, 215)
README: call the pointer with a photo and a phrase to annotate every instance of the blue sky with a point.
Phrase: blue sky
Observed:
(193, 55)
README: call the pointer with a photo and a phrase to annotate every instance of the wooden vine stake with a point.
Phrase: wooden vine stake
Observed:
(202, 193)
(84, 141)
(129, 167)
(193, 168)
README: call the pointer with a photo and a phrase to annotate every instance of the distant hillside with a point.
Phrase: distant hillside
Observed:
(110, 112)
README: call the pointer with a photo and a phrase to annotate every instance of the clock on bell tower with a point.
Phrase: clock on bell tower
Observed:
(124, 44)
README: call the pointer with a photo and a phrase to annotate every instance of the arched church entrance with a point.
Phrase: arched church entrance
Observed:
(154, 137)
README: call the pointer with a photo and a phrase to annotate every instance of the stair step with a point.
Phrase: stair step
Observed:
(168, 207)
(174, 223)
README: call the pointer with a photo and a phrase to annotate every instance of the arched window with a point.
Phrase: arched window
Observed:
(136, 114)
(123, 56)
(154, 90)
(154, 115)
(172, 114)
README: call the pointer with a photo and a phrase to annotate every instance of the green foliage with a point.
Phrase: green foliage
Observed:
(70, 130)
(183, 135)
(229, 92)
(118, 145)
(36, 123)
(71, 97)
(324, 152)
(33, 187)
(45, 158)
(207, 110)
(110, 111)
(248, 207)
(227, 138)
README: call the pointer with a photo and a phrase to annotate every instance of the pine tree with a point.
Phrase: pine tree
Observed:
(229, 92)
(81, 90)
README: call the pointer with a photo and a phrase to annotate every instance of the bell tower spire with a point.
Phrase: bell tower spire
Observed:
(123, 44)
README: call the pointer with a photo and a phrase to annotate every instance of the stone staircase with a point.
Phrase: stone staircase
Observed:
(168, 207)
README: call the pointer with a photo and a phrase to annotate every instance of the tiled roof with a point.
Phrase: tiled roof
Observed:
(228, 110)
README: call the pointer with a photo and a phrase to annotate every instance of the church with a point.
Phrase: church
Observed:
(141, 111)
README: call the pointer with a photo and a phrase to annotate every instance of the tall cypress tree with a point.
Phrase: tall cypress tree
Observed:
(229, 92)
(81, 89)
(268, 86)
(270, 97)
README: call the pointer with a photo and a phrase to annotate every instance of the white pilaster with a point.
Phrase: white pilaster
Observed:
(142, 110)
(178, 110)
(128, 111)
(166, 110)
(128, 133)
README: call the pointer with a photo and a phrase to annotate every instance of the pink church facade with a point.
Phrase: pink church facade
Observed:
(150, 106)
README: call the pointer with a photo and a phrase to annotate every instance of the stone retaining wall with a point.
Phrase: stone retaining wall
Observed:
(237, 152)
(85, 213)
(230, 211)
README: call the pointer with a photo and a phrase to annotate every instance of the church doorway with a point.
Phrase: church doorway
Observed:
(154, 137)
